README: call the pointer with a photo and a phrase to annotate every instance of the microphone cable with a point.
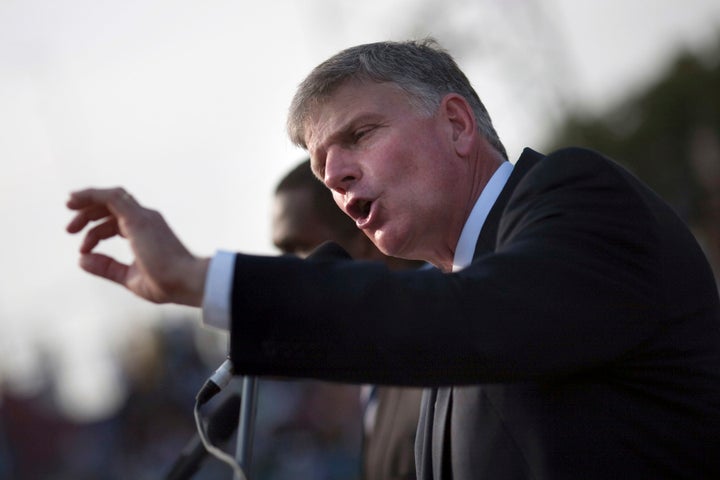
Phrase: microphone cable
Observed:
(212, 386)
(212, 449)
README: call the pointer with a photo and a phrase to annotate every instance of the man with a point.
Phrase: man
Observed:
(305, 216)
(572, 329)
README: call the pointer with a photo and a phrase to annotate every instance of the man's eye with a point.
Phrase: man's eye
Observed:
(358, 134)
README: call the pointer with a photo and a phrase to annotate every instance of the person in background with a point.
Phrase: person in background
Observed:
(305, 216)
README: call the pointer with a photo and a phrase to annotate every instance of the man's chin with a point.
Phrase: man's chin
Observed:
(388, 244)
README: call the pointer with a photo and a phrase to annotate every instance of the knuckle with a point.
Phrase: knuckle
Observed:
(117, 193)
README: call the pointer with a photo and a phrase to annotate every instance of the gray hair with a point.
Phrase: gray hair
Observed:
(422, 69)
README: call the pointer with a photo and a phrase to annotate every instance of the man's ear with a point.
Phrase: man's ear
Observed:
(461, 121)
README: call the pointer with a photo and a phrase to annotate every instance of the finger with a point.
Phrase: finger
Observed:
(117, 200)
(88, 197)
(85, 216)
(101, 232)
(105, 267)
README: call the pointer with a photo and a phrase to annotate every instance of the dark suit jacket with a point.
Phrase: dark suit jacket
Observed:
(388, 450)
(582, 342)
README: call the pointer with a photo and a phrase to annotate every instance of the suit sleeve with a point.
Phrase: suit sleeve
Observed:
(570, 285)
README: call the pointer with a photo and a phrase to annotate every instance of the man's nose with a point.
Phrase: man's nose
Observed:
(341, 170)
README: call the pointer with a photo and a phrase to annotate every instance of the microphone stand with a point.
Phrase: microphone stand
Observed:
(246, 424)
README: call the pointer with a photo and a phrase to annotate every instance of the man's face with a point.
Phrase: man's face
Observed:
(296, 227)
(391, 168)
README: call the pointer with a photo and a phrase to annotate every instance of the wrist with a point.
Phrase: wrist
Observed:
(194, 274)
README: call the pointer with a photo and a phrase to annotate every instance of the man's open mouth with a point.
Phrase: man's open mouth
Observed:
(359, 210)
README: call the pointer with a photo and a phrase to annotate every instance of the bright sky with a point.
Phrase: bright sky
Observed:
(183, 103)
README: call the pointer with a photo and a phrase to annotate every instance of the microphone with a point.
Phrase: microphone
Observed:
(215, 383)
(220, 426)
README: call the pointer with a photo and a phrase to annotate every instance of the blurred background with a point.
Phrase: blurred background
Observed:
(183, 103)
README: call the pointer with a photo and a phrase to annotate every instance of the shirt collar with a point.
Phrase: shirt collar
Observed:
(470, 232)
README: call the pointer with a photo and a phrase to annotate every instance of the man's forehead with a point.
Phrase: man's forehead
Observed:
(351, 102)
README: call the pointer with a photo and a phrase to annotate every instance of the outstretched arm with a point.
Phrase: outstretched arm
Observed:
(162, 271)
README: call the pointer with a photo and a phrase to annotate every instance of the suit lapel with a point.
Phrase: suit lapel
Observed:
(488, 235)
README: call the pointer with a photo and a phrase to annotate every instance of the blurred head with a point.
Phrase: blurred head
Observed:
(305, 215)
(401, 139)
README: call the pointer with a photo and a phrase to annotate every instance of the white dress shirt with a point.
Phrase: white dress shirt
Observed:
(470, 232)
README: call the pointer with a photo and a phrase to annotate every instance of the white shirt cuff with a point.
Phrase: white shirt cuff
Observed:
(218, 287)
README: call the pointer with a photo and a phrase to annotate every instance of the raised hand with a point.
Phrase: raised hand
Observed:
(162, 271)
